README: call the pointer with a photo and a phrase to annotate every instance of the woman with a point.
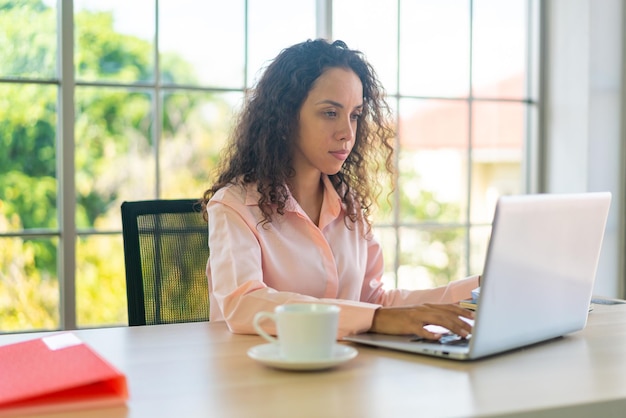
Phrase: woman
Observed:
(289, 213)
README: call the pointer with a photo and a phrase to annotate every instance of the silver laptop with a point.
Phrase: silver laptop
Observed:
(537, 280)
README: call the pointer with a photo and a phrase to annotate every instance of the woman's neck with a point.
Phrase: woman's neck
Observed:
(309, 193)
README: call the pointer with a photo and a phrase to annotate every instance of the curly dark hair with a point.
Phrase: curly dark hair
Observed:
(262, 144)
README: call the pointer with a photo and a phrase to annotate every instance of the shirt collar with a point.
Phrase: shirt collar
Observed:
(331, 204)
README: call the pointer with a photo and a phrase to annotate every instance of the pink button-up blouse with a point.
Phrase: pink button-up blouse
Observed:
(254, 267)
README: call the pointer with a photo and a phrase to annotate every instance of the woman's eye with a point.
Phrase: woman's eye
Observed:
(356, 116)
(330, 113)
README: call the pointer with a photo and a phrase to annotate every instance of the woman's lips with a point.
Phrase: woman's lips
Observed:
(341, 154)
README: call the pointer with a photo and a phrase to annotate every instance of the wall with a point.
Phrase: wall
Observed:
(582, 117)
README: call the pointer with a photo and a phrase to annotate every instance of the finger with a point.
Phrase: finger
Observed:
(462, 329)
(449, 320)
(426, 334)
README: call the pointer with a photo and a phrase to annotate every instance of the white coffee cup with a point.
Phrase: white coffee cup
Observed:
(306, 331)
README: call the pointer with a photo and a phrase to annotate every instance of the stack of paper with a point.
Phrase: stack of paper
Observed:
(471, 303)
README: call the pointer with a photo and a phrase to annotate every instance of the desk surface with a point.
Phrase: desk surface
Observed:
(201, 369)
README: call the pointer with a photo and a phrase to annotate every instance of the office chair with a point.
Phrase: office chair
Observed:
(165, 253)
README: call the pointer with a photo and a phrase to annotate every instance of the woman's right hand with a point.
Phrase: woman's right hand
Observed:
(412, 319)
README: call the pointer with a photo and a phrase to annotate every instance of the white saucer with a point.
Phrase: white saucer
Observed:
(269, 355)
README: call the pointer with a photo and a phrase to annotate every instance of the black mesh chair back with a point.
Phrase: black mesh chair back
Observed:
(165, 252)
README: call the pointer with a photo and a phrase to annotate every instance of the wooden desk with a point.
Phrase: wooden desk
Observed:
(202, 370)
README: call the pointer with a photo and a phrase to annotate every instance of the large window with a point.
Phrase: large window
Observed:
(133, 100)
(462, 78)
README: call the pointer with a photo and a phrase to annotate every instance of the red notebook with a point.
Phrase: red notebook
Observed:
(54, 373)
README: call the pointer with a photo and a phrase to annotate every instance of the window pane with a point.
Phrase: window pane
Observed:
(433, 160)
(196, 126)
(115, 158)
(434, 48)
(371, 27)
(431, 257)
(497, 158)
(479, 241)
(499, 48)
(207, 44)
(387, 239)
(100, 281)
(29, 289)
(114, 40)
(202, 42)
(28, 184)
(28, 38)
(274, 25)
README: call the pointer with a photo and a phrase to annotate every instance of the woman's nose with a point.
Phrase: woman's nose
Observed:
(346, 131)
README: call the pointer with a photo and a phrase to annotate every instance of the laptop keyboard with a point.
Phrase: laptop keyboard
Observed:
(454, 339)
(447, 339)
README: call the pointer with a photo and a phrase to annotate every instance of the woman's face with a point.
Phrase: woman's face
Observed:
(327, 122)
